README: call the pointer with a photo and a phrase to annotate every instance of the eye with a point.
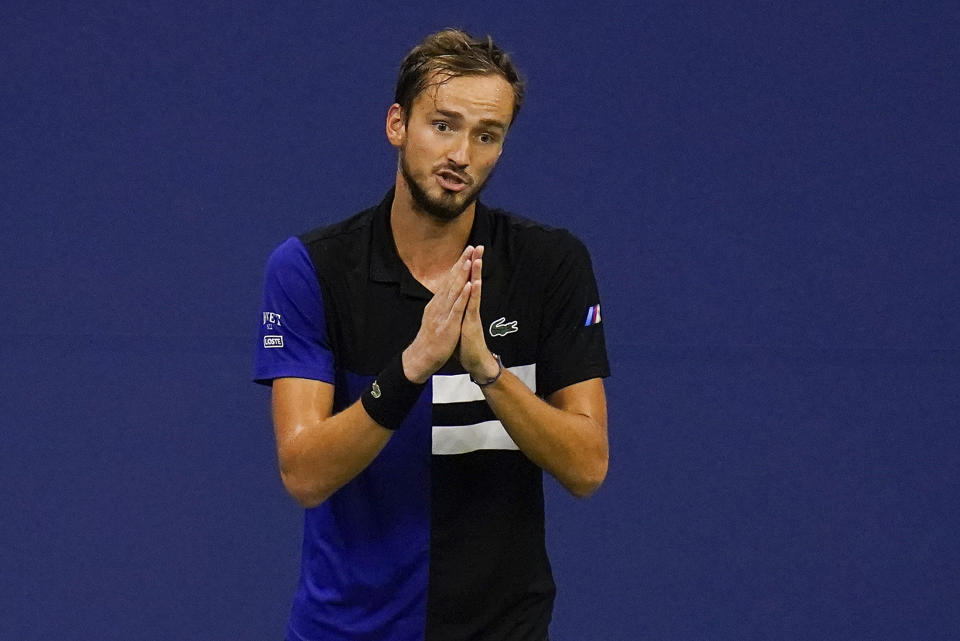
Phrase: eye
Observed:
(490, 136)
(441, 126)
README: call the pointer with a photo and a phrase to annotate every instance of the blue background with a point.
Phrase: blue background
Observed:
(770, 193)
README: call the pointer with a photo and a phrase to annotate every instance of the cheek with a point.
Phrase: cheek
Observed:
(419, 150)
(487, 161)
(426, 137)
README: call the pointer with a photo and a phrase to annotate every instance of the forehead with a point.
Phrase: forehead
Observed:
(487, 96)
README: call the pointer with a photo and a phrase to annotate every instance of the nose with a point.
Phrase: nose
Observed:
(459, 151)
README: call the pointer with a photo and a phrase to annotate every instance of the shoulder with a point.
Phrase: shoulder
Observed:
(535, 242)
(328, 247)
(302, 253)
(290, 256)
(343, 233)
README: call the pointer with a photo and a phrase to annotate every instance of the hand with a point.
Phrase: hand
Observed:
(439, 330)
(474, 355)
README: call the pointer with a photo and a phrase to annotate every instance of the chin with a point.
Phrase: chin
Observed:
(444, 206)
(436, 201)
(443, 209)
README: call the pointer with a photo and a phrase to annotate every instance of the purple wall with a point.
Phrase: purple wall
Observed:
(770, 195)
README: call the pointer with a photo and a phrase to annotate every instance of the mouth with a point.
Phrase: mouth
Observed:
(451, 180)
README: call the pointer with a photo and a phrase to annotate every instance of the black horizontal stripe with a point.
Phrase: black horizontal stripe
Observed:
(467, 413)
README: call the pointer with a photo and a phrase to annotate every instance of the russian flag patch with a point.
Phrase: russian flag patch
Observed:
(593, 315)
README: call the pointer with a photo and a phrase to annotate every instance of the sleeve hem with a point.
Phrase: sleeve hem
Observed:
(565, 379)
(266, 377)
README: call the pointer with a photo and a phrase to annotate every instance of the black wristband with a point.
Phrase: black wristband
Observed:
(390, 397)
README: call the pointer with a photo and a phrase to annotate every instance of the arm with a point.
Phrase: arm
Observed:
(318, 451)
(565, 435)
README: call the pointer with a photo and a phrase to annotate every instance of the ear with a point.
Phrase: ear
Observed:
(396, 125)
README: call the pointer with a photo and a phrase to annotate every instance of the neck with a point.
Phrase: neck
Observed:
(427, 246)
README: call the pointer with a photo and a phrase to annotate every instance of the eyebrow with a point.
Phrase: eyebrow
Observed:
(485, 122)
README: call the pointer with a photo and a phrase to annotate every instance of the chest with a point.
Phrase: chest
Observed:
(369, 322)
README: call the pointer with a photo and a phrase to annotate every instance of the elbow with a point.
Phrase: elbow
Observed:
(589, 481)
(592, 462)
(305, 494)
(303, 480)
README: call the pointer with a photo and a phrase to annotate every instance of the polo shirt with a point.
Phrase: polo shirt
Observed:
(441, 537)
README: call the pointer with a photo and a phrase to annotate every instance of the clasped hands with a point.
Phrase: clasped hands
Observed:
(451, 325)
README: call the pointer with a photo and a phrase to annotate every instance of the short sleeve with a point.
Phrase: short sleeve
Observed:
(572, 348)
(293, 339)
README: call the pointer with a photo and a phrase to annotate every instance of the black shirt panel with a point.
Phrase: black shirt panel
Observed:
(490, 576)
(368, 320)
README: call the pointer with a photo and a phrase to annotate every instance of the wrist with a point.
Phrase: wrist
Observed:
(414, 366)
(391, 395)
(489, 372)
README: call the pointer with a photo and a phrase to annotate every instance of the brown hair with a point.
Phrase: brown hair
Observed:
(451, 53)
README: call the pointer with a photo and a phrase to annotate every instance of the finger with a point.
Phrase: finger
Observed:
(476, 268)
(459, 274)
(456, 311)
(466, 254)
(473, 305)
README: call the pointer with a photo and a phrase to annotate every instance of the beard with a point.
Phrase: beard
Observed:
(449, 205)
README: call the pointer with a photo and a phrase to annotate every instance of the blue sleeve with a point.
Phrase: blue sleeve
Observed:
(293, 336)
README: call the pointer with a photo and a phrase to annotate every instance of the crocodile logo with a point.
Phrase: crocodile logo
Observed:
(501, 327)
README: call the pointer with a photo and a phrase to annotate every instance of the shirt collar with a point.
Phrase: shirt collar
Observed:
(385, 263)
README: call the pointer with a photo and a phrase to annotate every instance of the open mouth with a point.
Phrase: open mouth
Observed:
(451, 180)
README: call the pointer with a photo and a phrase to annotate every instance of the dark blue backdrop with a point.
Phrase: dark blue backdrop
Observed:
(770, 194)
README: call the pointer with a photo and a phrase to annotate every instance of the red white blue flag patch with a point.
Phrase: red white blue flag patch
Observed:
(593, 315)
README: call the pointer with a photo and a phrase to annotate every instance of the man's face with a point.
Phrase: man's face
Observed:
(452, 140)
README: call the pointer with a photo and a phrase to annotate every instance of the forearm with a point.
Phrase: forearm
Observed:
(319, 456)
(570, 445)
(320, 453)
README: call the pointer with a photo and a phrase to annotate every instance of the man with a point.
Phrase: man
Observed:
(429, 357)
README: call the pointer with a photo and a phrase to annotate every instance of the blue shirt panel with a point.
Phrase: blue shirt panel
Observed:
(293, 332)
(366, 549)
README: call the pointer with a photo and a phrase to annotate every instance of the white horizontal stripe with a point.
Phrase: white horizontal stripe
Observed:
(460, 439)
(458, 388)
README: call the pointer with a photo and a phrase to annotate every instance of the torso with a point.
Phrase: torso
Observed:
(439, 517)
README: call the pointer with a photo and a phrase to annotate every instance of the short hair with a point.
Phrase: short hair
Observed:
(452, 53)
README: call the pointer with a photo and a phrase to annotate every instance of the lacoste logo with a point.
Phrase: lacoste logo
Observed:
(273, 341)
(501, 327)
